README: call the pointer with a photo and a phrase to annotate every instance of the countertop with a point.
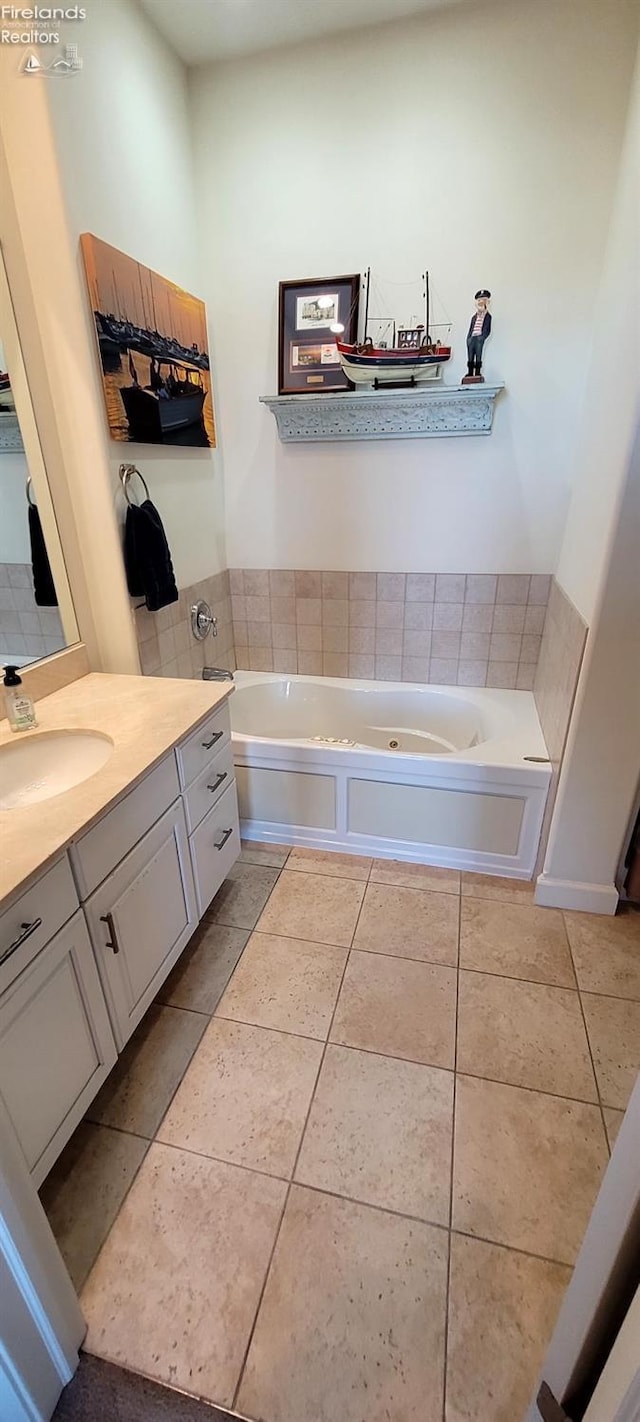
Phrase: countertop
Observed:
(144, 717)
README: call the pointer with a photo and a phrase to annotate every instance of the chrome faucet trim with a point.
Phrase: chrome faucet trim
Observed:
(216, 674)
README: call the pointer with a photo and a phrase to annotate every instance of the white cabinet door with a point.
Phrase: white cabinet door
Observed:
(141, 918)
(56, 1045)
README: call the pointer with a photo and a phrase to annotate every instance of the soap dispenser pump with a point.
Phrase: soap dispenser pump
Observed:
(21, 711)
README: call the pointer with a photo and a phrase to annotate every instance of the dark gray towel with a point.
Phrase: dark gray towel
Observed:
(147, 558)
(43, 584)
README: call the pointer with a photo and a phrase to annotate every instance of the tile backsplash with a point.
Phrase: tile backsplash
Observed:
(464, 629)
(26, 630)
(166, 644)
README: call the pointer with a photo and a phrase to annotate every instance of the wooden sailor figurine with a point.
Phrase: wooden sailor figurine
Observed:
(479, 329)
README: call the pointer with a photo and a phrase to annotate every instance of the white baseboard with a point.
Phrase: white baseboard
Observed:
(568, 894)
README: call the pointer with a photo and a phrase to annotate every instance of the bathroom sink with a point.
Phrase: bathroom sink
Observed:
(40, 765)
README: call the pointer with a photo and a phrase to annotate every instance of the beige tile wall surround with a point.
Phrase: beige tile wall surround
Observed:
(556, 682)
(466, 629)
(26, 630)
(166, 644)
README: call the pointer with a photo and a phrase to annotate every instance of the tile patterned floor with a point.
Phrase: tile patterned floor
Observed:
(284, 1200)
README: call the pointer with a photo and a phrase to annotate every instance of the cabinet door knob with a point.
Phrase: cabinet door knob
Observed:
(217, 736)
(112, 942)
(218, 781)
(225, 836)
(26, 930)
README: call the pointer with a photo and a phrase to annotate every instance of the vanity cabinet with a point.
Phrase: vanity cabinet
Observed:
(56, 1043)
(85, 949)
(141, 918)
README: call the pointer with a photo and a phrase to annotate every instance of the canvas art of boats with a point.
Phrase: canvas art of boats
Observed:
(6, 394)
(400, 355)
(152, 340)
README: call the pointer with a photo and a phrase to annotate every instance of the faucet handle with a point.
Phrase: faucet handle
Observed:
(203, 622)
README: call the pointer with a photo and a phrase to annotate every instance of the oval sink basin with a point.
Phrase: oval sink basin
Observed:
(46, 764)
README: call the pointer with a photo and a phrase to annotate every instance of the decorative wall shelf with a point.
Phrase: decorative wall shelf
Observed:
(10, 435)
(385, 414)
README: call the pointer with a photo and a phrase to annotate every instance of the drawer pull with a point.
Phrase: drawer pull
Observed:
(217, 782)
(217, 736)
(112, 942)
(226, 835)
(26, 930)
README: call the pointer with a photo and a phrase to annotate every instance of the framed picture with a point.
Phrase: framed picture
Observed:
(153, 349)
(307, 353)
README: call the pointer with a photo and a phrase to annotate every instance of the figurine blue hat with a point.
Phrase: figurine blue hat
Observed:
(480, 294)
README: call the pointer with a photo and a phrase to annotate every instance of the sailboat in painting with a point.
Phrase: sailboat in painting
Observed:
(410, 356)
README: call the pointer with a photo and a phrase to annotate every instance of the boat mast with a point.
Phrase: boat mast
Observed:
(426, 306)
(366, 304)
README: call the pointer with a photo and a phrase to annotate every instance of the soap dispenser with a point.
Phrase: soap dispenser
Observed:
(21, 711)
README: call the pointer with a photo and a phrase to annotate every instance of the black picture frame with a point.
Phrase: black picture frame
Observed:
(305, 362)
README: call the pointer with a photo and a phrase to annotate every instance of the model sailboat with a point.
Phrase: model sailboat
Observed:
(413, 356)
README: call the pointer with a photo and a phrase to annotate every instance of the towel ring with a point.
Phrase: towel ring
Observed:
(29, 488)
(126, 472)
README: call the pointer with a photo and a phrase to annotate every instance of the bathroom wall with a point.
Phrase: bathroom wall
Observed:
(482, 142)
(121, 127)
(14, 527)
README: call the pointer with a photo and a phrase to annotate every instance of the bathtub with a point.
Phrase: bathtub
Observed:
(441, 775)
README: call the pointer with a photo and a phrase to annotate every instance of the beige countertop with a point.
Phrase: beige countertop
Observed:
(143, 716)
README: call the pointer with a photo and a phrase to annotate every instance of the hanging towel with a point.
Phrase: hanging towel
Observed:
(43, 585)
(147, 558)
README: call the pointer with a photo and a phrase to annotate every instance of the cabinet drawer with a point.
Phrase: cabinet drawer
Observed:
(34, 918)
(56, 1046)
(202, 745)
(215, 846)
(141, 919)
(206, 790)
(99, 850)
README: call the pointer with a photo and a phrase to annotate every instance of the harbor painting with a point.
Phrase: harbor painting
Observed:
(152, 340)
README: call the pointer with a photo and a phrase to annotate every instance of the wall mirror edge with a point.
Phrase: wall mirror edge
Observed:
(40, 491)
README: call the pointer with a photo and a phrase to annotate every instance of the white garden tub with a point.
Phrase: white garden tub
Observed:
(442, 775)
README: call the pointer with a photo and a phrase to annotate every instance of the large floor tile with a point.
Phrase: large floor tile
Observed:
(270, 856)
(245, 1097)
(136, 1094)
(524, 1033)
(490, 886)
(409, 923)
(516, 941)
(202, 973)
(242, 897)
(380, 1130)
(606, 952)
(326, 861)
(314, 906)
(613, 1121)
(502, 1310)
(527, 1167)
(614, 1033)
(397, 1007)
(415, 876)
(285, 983)
(176, 1286)
(351, 1325)
(84, 1191)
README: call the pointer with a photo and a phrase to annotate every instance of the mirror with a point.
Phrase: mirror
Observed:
(36, 613)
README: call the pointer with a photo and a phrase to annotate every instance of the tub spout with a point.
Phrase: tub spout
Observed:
(216, 674)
